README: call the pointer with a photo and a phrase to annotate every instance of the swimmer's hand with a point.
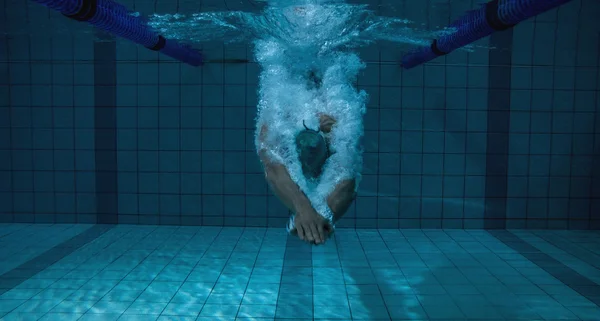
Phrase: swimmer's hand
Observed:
(326, 123)
(311, 226)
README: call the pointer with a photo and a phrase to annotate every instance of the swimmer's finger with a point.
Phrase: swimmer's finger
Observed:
(300, 232)
(308, 235)
(314, 233)
(321, 232)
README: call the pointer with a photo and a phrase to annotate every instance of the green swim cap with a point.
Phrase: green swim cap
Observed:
(312, 152)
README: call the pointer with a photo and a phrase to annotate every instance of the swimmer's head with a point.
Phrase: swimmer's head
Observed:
(312, 152)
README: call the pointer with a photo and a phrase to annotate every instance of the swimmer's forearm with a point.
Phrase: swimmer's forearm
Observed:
(281, 182)
(341, 198)
(286, 189)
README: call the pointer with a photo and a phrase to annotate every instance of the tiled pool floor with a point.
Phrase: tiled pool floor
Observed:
(95, 272)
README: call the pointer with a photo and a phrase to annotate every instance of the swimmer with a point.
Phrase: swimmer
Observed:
(313, 151)
(309, 123)
(313, 169)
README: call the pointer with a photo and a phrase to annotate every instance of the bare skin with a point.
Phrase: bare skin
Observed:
(310, 226)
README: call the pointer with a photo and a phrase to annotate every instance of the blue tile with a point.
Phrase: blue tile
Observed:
(84, 138)
(234, 184)
(371, 141)
(147, 117)
(148, 204)
(127, 139)
(234, 117)
(169, 183)
(23, 181)
(148, 182)
(256, 206)
(433, 142)
(390, 97)
(584, 100)
(148, 139)
(169, 161)
(191, 161)
(86, 203)
(191, 205)
(63, 116)
(212, 184)
(43, 160)
(234, 140)
(212, 95)
(432, 121)
(23, 202)
(65, 203)
(411, 142)
(366, 206)
(212, 205)
(86, 181)
(169, 139)
(387, 207)
(234, 96)
(369, 184)
(388, 184)
(64, 181)
(21, 138)
(391, 119)
(191, 117)
(411, 163)
(212, 139)
(169, 204)
(5, 182)
(456, 120)
(583, 123)
(44, 202)
(147, 161)
(191, 183)
(539, 165)
(127, 161)
(582, 143)
(433, 164)
(235, 205)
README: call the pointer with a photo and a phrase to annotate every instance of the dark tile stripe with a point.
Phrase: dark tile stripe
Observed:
(105, 101)
(595, 210)
(297, 267)
(580, 253)
(498, 122)
(579, 283)
(23, 272)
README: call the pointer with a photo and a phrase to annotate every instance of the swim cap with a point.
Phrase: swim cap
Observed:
(312, 152)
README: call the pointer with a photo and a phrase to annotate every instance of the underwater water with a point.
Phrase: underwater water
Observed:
(317, 26)
(294, 41)
(130, 188)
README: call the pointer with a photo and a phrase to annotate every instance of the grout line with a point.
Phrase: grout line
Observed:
(549, 198)
(529, 113)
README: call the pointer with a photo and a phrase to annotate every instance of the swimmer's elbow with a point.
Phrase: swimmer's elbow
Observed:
(274, 172)
(263, 154)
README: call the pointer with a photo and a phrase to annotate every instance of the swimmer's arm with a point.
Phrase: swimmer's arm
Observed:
(341, 198)
(281, 182)
(344, 192)
(284, 187)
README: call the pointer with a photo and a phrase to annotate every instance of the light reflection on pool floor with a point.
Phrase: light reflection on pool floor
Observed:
(213, 273)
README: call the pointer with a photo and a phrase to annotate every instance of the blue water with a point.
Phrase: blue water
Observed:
(479, 198)
(326, 25)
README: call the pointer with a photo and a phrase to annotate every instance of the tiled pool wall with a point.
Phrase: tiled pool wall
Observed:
(97, 130)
